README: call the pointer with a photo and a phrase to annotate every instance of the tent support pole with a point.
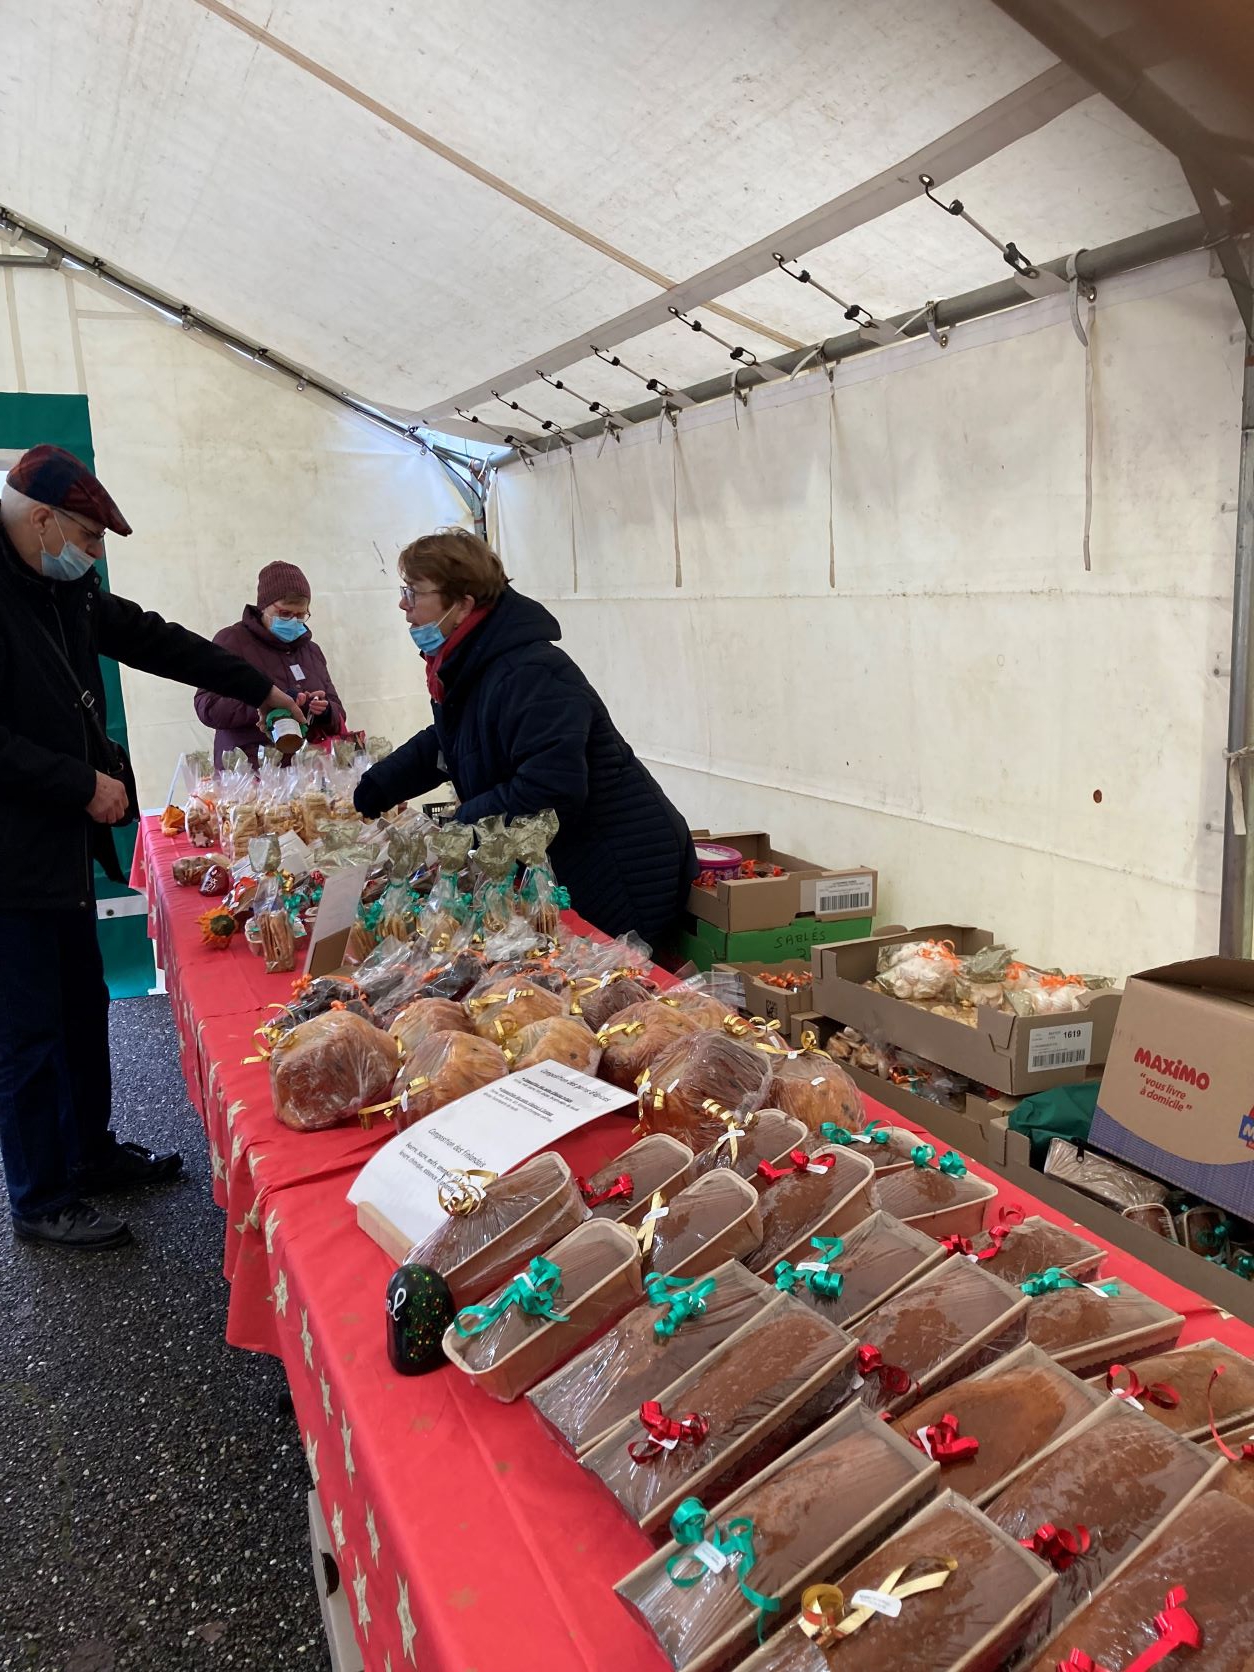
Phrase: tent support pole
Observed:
(1236, 894)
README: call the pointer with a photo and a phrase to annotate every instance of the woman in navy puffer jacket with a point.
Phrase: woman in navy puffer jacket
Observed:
(517, 728)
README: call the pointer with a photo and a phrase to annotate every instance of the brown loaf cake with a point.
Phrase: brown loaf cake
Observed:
(695, 1218)
(1036, 1245)
(1121, 1477)
(1014, 1412)
(554, 1039)
(992, 1583)
(603, 1003)
(798, 1515)
(445, 1067)
(1237, 1479)
(809, 1085)
(911, 1191)
(1200, 1550)
(709, 1068)
(792, 1206)
(422, 1018)
(582, 1269)
(768, 1135)
(631, 1039)
(1068, 1319)
(705, 1010)
(651, 1164)
(879, 1256)
(937, 1317)
(631, 1363)
(1188, 1372)
(328, 1068)
(500, 1015)
(736, 1388)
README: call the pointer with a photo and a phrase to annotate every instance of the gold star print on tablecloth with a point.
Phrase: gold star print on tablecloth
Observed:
(237, 1148)
(306, 1339)
(387, 1661)
(311, 1457)
(233, 1109)
(272, 1225)
(372, 1533)
(408, 1628)
(346, 1434)
(254, 1161)
(337, 1528)
(280, 1293)
(216, 1162)
(325, 1389)
(363, 1607)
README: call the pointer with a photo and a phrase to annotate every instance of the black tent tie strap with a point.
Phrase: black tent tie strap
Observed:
(510, 440)
(654, 385)
(873, 329)
(613, 420)
(546, 424)
(1029, 277)
(745, 356)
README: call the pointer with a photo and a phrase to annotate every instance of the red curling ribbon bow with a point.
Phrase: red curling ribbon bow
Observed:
(1246, 1453)
(942, 1442)
(1059, 1546)
(800, 1162)
(1176, 1628)
(893, 1379)
(1007, 1219)
(623, 1186)
(663, 1433)
(961, 1245)
(1138, 1392)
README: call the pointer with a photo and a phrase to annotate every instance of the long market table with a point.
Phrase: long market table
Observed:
(468, 1542)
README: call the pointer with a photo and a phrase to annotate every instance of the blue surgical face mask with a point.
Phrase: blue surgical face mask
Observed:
(69, 564)
(430, 636)
(283, 627)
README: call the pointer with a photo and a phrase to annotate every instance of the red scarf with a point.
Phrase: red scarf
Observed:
(435, 685)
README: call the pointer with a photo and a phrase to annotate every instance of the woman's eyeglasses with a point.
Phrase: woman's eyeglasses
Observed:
(410, 593)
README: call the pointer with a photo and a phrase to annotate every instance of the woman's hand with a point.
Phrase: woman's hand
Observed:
(313, 702)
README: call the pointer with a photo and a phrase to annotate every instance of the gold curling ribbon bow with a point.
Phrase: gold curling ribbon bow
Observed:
(825, 1617)
(462, 1192)
(606, 1033)
(736, 1129)
(644, 1234)
(401, 1102)
(490, 1001)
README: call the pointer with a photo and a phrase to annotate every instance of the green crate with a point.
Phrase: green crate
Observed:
(703, 945)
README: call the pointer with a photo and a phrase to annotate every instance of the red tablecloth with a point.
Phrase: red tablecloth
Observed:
(467, 1540)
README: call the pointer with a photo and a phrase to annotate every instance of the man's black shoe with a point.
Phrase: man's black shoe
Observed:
(128, 1167)
(76, 1225)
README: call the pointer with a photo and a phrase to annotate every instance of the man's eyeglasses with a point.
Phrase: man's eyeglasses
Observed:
(95, 536)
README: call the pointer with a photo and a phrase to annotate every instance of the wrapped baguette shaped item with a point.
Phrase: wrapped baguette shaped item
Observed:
(599, 999)
(678, 1323)
(1181, 1390)
(631, 1040)
(715, 1219)
(444, 1067)
(328, 1069)
(761, 1135)
(746, 1397)
(1016, 1248)
(946, 1200)
(886, 1147)
(1093, 1499)
(695, 1089)
(1014, 1409)
(624, 1188)
(819, 1507)
(1087, 1326)
(971, 1620)
(494, 1226)
(819, 1194)
(849, 1275)
(517, 1335)
(809, 1084)
(1189, 1577)
(554, 1039)
(423, 1017)
(955, 1319)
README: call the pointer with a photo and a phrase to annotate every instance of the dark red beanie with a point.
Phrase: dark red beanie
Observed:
(280, 580)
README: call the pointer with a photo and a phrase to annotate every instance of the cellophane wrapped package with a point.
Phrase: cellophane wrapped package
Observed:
(1033, 992)
(679, 1322)
(496, 861)
(744, 1395)
(695, 1089)
(278, 933)
(946, 1202)
(849, 1275)
(494, 1226)
(823, 1193)
(808, 1084)
(1087, 1326)
(512, 1338)
(636, 1036)
(1181, 1389)
(1015, 1249)
(625, 1186)
(554, 1039)
(1180, 1600)
(501, 1005)
(540, 895)
(326, 1070)
(1090, 1502)
(822, 1505)
(422, 1017)
(761, 1135)
(973, 1621)
(598, 999)
(919, 970)
(442, 1068)
(714, 1219)
(1100, 1177)
(885, 1147)
(696, 998)
(447, 909)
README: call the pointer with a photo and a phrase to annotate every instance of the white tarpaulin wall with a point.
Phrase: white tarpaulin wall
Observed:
(862, 620)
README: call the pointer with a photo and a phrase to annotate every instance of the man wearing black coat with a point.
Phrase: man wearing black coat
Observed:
(62, 784)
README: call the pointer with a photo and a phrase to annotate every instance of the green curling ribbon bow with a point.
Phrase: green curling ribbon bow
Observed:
(683, 1298)
(690, 1526)
(1243, 1265)
(1051, 1281)
(923, 1155)
(561, 897)
(828, 1284)
(841, 1134)
(1215, 1236)
(953, 1164)
(533, 1291)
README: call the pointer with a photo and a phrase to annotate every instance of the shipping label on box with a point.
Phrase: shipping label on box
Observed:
(840, 894)
(1066, 1045)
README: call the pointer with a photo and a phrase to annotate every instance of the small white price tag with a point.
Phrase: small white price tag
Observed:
(920, 1435)
(655, 1213)
(1098, 1289)
(857, 1382)
(713, 1559)
(880, 1601)
(811, 1265)
(668, 1445)
(1118, 1393)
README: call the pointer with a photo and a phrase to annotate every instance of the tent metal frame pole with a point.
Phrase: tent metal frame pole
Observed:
(1236, 894)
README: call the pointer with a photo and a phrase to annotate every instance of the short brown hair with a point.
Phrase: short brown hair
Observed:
(457, 563)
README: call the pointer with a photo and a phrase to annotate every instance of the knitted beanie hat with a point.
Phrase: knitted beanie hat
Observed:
(280, 580)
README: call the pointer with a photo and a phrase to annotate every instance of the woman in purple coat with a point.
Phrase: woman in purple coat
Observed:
(274, 636)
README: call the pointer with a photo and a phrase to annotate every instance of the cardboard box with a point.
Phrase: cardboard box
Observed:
(1017, 1055)
(703, 945)
(1177, 1097)
(337, 1620)
(976, 1130)
(806, 889)
(740, 986)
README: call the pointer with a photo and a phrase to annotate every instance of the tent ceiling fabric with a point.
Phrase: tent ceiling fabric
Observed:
(348, 226)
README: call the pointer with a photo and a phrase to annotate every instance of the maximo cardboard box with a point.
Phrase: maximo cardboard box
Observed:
(1177, 1097)
(1016, 1055)
(770, 902)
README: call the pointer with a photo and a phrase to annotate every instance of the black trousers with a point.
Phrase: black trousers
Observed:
(55, 1084)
